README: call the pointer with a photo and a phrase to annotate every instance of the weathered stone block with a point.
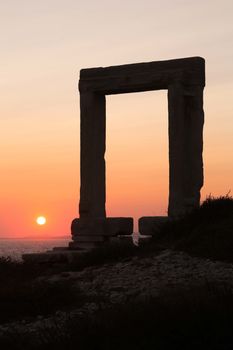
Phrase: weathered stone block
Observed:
(142, 76)
(90, 238)
(84, 245)
(150, 225)
(47, 257)
(101, 227)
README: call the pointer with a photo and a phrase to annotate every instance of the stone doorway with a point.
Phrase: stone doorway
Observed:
(185, 80)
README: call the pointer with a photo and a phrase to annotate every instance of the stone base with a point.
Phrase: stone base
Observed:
(144, 240)
(88, 244)
(121, 239)
(94, 241)
(56, 256)
(105, 227)
(72, 253)
(151, 225)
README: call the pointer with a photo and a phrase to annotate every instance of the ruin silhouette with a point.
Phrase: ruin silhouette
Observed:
(185, 80)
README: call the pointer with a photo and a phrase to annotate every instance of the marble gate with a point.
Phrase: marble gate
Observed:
(185, 80)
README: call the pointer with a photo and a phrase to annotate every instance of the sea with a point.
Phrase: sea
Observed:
(14, 248)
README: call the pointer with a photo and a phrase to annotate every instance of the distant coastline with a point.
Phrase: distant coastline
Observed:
(36, 237)
(14, 247)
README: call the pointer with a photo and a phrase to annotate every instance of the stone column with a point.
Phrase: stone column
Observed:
(92, 227)
(93, 130)
(186, 118)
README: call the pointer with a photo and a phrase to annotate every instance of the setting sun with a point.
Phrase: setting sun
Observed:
(41, 220)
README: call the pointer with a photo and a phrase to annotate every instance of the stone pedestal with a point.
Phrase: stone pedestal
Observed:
(92, 232)
(151, 225)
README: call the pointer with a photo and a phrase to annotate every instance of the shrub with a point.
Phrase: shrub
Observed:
(26, 300)
(207, 231)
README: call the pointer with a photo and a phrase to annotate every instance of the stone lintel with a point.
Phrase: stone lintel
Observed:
(143, 76)
(101, 227)
(150, 225)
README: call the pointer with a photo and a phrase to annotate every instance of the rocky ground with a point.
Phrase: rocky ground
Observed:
(142, 277)
(137, 277)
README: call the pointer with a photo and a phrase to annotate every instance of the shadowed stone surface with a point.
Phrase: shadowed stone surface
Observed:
(150, 225)
(102, 226)
(97, 230)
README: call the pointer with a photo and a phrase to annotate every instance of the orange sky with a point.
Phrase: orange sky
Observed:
(44, 45)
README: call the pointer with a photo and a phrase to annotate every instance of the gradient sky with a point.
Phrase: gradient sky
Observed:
(44, 44)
